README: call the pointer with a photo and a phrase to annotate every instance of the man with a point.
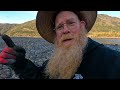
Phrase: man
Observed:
(75, 57)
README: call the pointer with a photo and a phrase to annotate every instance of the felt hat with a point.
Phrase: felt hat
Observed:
(44, 22)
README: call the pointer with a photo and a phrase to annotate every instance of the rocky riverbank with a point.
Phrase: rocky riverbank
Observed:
(38, 50)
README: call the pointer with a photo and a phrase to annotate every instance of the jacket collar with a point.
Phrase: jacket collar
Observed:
(91, 46)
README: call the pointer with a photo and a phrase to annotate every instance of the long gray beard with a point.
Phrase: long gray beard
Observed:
(65, 61)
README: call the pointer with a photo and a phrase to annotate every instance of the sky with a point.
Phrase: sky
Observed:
(110, 13)
(19, 17)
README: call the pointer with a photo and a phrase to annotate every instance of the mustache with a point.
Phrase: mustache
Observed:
(66, 37)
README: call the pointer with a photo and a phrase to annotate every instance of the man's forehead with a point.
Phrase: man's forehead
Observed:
(65, 14)
(62, 17)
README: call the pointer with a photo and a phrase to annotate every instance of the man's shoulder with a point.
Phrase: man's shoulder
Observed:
(104, 48)
(109, 50)
(101, 51)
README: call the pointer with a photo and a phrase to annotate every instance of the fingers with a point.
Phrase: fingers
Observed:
(19, 49)
(3, 61)
(6, 61)
(9, 51)
(10, 61)
(6, 56)
(11, 44)
(8, 41)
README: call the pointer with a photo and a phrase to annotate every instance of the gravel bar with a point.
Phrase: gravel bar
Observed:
(38, 50)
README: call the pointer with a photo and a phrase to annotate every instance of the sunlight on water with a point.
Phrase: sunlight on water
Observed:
(108, 40)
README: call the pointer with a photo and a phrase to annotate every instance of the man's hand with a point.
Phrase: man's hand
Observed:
(7, 56)
(12, 53)
(8, 41)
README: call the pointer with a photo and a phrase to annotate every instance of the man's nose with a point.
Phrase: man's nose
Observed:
(66, 29)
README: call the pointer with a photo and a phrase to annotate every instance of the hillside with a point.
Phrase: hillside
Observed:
(105, 26)
(26, 29)
(106, 23)
(4, 27)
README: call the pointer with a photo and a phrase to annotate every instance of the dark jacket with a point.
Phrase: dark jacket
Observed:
(99, 62)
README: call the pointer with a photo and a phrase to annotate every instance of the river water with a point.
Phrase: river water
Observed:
(114, 41)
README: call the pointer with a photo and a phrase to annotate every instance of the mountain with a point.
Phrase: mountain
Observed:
(106, 23)
(105, 26)
(4, 27)
(27, 29)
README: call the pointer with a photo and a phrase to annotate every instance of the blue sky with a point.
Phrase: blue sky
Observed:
(110, 13)
(17, 16)
(24, 16)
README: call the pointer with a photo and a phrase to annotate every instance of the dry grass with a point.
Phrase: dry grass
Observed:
(104, 34)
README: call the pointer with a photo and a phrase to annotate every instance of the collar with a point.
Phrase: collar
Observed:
(92, 45)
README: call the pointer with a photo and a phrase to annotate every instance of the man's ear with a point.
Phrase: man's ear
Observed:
(83, 23)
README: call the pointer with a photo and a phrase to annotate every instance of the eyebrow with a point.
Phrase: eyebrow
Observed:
(70, 19)
(67, 20)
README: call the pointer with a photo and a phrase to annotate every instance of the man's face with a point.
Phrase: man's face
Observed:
(69, 43)
(67, 27)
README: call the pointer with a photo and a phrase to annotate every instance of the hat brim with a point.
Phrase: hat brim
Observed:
(44, 23)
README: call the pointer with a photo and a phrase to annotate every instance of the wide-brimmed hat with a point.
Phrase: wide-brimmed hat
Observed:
(44, 22)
